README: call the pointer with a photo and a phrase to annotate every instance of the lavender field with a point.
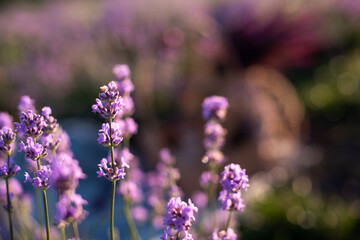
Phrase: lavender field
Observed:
(154, 119)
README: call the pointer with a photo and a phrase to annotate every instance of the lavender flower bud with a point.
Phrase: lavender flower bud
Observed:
(125, 87)
(121, 72)
(234, 178)
(7, 137)
(105, 132)
(215, 107)
(66, 173)
(33, 151)
(179, 217)
(214, 135)
(31, 124)
(50, 122)
(41, 179)
(8, 172)
(109, 104)
(70, 209)
(224, 235)
(26, 104)
(110, 173)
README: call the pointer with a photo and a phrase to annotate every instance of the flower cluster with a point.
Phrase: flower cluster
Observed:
(7, 137)
(41, 179)
(70, 209)
(109, 104)
(233, 180)
(178, 219)
(9, 171)
(162, 185)
(33, 151)
(110, 137)
(66, 173)
(215, 107)
(31, 124)
(229, 234)
(111, 173)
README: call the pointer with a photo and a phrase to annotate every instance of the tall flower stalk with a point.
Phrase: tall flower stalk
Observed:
(32, 126)
(214, 110)
(128, 128)
(109, 105)
(8, 170)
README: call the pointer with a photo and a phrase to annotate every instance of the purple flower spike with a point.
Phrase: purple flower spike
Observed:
(8, 172)
(7, 137)
(108, 110)
(69, 209)
(214, 135)
(112, 174)
(26, 104)
(41, 179)
(121, 72)
(215, 107)
(104, 134)
(179, 217)
(50, 122)
(33, 151)
(31, 124)
(233, 180)
(125, 87)
(66, 173)
(224, 235)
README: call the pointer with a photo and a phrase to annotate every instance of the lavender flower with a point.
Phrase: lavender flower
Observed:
(111, 173)
(121, 72)
(129, 107)
(224, 235)
(7, 137)
(8, 172)
(33, 151)
(233, 180)
(215, 107)
(109, 104)
(70, 209)
(26, 104)
(125, 87)
(179, 217)
(41, 179)
(206, 178)
(105, 132)
(214, 135)
(50, 122)
(231, 200)
(66, 173)
(31, 124)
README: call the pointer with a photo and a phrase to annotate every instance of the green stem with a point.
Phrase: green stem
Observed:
(112, 209)
(46, 215)
(9, 209)
(62, 232)
(38, 207)
(130, 220)
(75, 230)
(113, 184)
(228, 220)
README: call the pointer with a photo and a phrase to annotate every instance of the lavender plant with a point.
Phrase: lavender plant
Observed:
(9, 169)
(32, 126)
(178, 219)
(109, 105)
(128, 127)
(214, 110)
